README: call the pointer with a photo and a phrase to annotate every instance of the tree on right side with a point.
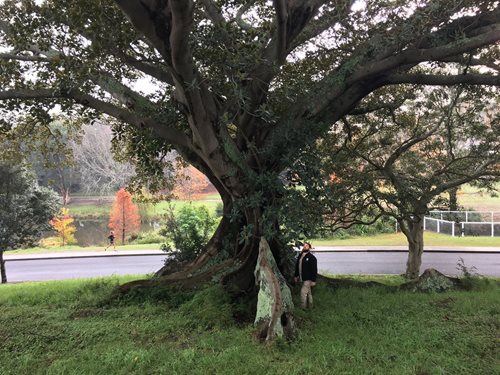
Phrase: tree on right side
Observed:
(124, 217)
(401, 160)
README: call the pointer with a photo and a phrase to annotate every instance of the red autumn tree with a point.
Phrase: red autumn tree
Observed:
(124, 218)
(190, 184)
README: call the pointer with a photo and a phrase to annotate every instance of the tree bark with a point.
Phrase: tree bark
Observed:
(274, 302)
(453, 199)
(3, 273)
(413, 229)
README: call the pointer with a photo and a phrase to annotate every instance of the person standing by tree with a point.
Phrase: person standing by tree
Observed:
(306, 270)
(111, 239)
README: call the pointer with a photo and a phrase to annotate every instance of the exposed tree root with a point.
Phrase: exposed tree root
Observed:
(274, 303)
(433, 281)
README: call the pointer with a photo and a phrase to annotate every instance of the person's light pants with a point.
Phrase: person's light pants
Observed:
(306, 297)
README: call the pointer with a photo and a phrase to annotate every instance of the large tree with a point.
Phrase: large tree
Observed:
(237, 88)
(25, 210)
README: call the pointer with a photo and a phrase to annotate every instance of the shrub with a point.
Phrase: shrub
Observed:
(50, 242)
(189, 231)
(147, 237)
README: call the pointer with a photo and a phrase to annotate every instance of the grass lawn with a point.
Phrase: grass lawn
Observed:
(71, 327)
(469, 197)
(398, 239)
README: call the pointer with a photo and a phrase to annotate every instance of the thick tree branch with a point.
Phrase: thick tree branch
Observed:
(281, 8)
(12, 56)
(377, 107)
(291, 18)
(323, 23)
(153, 70)
(124, 94)
(170, 135)
(470, 61)
(444, 80)
(415, 56)
(481, 31)
(213, 12)
(153, 19)
(239, 16)
(182, 20)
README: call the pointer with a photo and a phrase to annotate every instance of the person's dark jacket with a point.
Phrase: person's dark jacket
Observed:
(309, 267)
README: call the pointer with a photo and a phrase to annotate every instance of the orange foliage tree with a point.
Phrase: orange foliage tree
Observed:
(124, 217)
(64, 225)
(190, 183)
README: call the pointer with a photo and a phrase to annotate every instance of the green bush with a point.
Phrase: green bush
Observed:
(189, 231)
(148, 237)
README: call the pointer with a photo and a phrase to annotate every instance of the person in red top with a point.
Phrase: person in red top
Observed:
(306, 271)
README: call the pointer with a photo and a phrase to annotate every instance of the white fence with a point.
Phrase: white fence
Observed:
(464, 223)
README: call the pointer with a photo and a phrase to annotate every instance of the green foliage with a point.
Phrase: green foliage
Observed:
(467, 273)
(147, 237)
(382, 225)
(470, 279)
(189, 230)
(434, 285)
(25, 208)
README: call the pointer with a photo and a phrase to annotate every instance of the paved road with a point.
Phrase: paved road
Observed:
(332, 263)
(395, 262)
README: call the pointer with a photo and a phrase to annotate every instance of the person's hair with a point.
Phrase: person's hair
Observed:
(308, 243)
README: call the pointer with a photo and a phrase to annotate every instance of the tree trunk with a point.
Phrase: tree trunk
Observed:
(66, 197)
(123, 222)
(3, 273)
(238, 272)
(274, 302)
(453, 199)
(414, 231)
